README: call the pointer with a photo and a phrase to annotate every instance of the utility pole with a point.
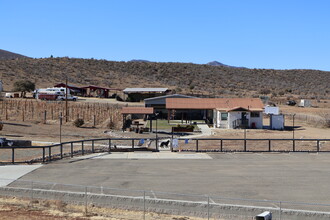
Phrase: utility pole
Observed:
(66, 100)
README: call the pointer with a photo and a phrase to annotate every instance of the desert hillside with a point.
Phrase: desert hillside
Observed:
(182, 77)
(7, 55)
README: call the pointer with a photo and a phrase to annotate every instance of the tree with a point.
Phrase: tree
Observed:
(24, 86)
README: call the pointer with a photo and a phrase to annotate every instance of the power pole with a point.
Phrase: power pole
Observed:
(66, 100)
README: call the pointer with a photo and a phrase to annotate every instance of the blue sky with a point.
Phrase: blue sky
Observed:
(278, 34)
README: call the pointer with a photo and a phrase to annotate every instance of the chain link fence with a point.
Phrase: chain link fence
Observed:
(205, 206)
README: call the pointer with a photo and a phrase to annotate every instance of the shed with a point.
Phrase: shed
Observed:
(277, 122)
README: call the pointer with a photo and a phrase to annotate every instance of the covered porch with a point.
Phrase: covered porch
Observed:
(144, 112)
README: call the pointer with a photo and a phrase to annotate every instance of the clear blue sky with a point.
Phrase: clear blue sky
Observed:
(279, 34)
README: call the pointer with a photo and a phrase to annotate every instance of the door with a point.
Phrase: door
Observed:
(244, 119)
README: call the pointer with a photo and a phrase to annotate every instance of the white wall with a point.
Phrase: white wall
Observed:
(232, 116)
(257, 120)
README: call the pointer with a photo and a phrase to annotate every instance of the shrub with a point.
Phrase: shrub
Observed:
(78, 122)
(111, 124)
(118, 98)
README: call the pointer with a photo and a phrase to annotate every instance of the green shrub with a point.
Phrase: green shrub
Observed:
(78, 122)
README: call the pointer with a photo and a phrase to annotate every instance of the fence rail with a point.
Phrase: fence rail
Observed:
(69, 149)
(207, 206)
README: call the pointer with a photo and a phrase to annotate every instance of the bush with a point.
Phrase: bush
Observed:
(78, 122)
(119, 99)
(111, 124)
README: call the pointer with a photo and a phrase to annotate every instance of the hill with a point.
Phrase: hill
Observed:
(6, 55)
(217, 63)
(182, 77)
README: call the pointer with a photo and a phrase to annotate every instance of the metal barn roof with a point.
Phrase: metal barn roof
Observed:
(131, 90)
(169, 96)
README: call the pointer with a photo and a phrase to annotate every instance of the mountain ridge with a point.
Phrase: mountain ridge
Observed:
(7, 55)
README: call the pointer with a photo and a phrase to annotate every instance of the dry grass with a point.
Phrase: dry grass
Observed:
(21, 209)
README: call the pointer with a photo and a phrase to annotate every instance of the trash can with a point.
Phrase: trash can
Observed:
(264, 216)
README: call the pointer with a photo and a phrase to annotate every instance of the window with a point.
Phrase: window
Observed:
(255, 114)
(224, 116)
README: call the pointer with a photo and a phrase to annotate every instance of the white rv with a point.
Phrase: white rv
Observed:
(58, 91)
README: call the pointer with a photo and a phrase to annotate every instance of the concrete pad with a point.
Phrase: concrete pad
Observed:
(10, 173)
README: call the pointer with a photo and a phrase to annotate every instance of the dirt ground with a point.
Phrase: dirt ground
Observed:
(19, 209)
(50, 132)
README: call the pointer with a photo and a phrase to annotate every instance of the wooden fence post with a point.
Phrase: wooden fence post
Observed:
(293, 145)
(82, 148)
(318, 145)
(71, 149)
(12, 155)
(61, 148)
(269, 145)
(109, 149)
(43, 154)
(196, 145)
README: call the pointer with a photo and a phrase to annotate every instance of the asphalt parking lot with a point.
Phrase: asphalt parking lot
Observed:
(298, 177)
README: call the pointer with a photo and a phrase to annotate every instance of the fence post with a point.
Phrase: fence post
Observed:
(280, 214)
(82, 148)
(71, 147)
(221, 145)
(43, 155)
(196, 145)
(132, 143)
(208, 207)
(144, 205)
(109, 149)
(269, 145)
(12, 155)
(32, 193)
(50, 153)
(244, 144)
(93, 151)
(86, 201)
(61, 147)
(318, 145)
(293, 145)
